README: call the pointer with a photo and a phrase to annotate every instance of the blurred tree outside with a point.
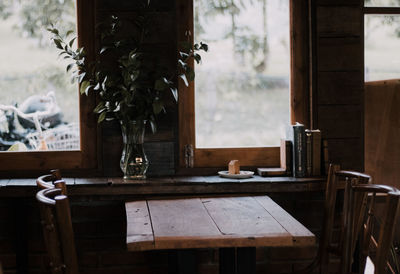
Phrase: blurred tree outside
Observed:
(382, 40)
(242, 85)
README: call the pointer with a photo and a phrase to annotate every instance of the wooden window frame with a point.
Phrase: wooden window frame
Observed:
(73, 162)
(299, 95)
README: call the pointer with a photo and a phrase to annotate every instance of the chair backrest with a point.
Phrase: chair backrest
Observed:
(356, 208)
(339, 180)
(52, 180)
(57, 231)
(388, 214)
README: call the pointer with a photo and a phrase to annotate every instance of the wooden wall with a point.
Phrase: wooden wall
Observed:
(338, 69)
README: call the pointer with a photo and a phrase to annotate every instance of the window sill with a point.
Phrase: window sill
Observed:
(187, 185)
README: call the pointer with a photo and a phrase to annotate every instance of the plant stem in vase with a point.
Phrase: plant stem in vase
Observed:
(134, 161)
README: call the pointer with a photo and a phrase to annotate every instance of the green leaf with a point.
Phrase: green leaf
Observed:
(99, 108)
(102, 116)
(158, 106)
(103, 85)
(190, 74)
(197, 57)
(58, 43)
(69, 33)
(71, 42)
(81, 77)
(183, 54)
(54, 30)
(69, 67)
(153, 126)
(174, 92)
(84, 86)
(203, 46)
(182, 64)
(97, 87)
(160, 84)
(183, 77)
(103, 49)
(87, 89)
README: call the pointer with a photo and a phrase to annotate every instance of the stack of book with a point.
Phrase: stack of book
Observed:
(306, 150)
(301, 154)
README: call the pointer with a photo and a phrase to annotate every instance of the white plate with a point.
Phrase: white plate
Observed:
(243, 174)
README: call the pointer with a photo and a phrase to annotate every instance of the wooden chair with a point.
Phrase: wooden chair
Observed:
(383, 243)
(57, 231)
(355, 208)
(52, 180)
(336, 183)
(1, 268)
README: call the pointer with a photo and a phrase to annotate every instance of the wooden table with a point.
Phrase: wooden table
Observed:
(222, 222)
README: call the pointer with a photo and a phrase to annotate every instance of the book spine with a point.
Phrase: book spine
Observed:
(316, 162)
(299, 151)
(289, 158)
(309, 152)
(286, 156)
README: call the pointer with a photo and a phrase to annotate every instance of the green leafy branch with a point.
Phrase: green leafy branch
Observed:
(130, 84)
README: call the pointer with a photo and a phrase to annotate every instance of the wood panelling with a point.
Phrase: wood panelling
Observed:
(338, 92)
(340, 87)
(382, 129)
(346, 152)
(343, 121)
(340, 54)
(339, 2)
(337, 21)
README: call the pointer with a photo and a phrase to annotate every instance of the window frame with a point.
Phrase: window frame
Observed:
(26, 163)
(299, 95)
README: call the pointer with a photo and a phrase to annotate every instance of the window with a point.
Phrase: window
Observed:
(382, 39)
(37, 82)
(252, 83)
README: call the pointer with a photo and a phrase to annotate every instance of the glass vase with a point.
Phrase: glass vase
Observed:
(133, 162)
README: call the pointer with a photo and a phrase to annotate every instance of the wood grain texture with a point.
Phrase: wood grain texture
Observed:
(339, 2)
(338, 21)
(340, 88)
(267, 156)
(212, 223)
(347, 153)
(299, 63)
(139, 231)
(340, 121)
(245, 217)
(182, 224)
(340, 54)
(300, 234)
(382, 128)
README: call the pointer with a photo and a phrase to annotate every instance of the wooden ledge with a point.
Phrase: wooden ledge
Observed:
(168, 186)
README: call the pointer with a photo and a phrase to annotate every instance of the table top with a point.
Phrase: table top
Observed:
(247, 221)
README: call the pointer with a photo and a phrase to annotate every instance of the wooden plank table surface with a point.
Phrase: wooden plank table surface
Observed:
(222, 222)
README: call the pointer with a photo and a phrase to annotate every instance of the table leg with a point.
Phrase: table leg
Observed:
(246, 260)
(227, 261)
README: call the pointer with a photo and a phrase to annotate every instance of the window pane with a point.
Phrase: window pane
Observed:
(382, 3)
(382, 43)
(33, 81)
(242, 85)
